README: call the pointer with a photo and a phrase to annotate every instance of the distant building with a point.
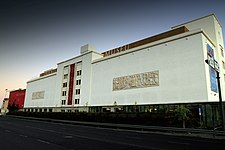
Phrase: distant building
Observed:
(4, 106)
(17, 98)
(159, 72)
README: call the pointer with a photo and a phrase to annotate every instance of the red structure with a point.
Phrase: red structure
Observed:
(17, 98)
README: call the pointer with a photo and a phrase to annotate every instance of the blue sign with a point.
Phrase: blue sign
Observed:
(212, 72)
(213, 80)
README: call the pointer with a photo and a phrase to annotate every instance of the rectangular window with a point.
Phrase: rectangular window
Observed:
(77, 91)
(224, 77)
(78, 82)
(65, 76)
(64, 93)
(223, 64)
(221, 50)
(63, 102)
(65, 84)
(77, 101)
(222, 54)
(78, 72)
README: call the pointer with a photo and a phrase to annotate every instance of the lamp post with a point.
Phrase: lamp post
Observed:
(214, 64)
(6, 90)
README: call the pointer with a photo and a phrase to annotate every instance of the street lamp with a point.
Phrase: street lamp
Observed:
(6, 90)
(214, 64)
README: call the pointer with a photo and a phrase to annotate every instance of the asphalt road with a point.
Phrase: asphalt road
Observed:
(22, 134)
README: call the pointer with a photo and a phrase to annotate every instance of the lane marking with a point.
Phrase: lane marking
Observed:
(23, 135)
(8, 131)
(68, 136)
(42, 141)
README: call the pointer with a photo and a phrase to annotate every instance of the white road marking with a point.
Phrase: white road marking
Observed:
(8, 131)
(42, 141)
(23, 135)
(68, 136)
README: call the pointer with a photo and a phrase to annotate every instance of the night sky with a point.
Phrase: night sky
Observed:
(35, 35)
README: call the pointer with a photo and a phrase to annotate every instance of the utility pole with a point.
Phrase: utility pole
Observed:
(214, 64)
(220, 100)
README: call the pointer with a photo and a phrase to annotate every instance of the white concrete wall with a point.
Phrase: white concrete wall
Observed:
(87, 77)
(46, 84)
(180, 60)
(182, 75)
(60, 76)
(83, 63)
(213, 29)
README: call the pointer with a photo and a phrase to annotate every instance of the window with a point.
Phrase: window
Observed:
(78, 82)
(65, 84)
(50, 110)
(65, 76)
(77, 91)
(221, 50)
(78, 72)
(223, 64)
(63, 102)
(77, 101)
(64, 93)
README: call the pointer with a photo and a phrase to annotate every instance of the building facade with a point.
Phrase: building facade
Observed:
(164, 69)
(16, 98)
(4, 107)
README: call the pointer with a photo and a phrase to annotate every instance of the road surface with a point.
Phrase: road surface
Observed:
(23, 134)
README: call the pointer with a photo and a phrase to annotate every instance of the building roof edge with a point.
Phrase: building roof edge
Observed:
(212, 14)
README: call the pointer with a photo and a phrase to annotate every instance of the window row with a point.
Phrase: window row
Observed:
(77, 92)
(78, 82)
(66, 75)
(77, 101)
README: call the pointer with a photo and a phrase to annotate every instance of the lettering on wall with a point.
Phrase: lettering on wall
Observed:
(38, 95)
(51, 71)
(116, 50)
(146, 41)
(147, 79)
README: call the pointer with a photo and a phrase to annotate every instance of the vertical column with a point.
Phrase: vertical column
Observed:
(71, 82)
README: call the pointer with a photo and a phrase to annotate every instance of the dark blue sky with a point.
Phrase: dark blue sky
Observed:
(37, 34)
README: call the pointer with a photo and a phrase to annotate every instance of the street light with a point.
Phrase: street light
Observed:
(6, 92)
(214, 64)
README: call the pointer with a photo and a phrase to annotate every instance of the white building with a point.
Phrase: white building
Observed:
(168, 68)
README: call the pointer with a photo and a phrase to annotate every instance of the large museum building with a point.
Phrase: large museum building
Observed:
(165, 70)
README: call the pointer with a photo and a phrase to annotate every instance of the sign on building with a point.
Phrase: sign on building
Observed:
(147, 79)
(38, 95)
